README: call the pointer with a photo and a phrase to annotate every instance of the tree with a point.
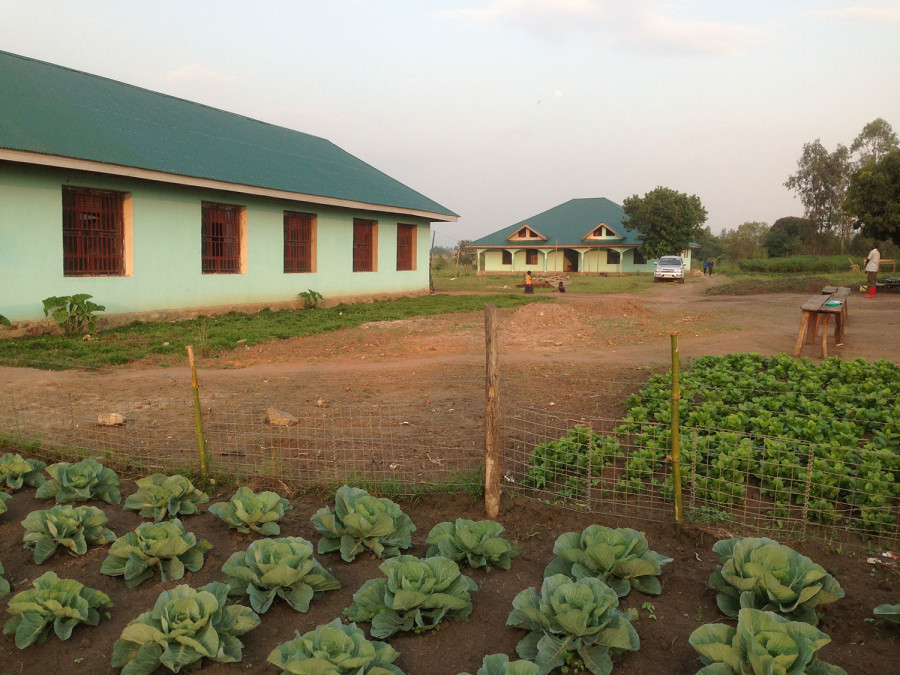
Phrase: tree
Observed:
(873, 198)
(746, 241)
(875, 140)
(821, 183)
(710, 245)
(667, 220)
(794, 236)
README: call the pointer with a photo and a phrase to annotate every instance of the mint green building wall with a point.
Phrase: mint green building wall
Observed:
(592, 261)
(167, 250)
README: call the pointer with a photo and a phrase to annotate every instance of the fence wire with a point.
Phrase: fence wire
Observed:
(606, 463)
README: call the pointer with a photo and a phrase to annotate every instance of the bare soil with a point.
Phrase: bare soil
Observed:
(581, 340)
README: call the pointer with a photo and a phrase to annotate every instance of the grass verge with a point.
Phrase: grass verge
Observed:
(135, 341)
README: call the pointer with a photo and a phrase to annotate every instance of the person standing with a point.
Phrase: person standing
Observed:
(529, 284)
(873, 261)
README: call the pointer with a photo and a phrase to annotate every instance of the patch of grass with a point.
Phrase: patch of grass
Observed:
(760, 284)
(445, 281)
(139, 340)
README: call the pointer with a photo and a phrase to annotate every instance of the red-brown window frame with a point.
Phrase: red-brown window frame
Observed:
(365, 243)
(299, 242)
(221, 238)
(531, 256)
(406, 247)
(613, 257)
(505, 257)
(93, 232)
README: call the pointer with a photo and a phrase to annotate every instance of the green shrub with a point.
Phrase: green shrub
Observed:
(758, 573)
(335, 649)
(472, 543)
(160, 496)
(311, 298)
(621, 558)
(415, 595)
(284, 568)
(569, 619)
(87, 479)
(250, 511)
(184, 626)
(60, 604)
(73, 313)
(763, 642)
(16, 471)
(360, 521)
(72, 527)
(162, 545)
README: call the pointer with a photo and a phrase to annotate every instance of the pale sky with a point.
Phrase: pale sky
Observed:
(501, 109)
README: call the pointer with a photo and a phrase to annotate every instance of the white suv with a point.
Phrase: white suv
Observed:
(669, 267)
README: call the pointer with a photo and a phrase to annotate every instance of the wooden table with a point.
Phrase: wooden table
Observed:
(816, 311)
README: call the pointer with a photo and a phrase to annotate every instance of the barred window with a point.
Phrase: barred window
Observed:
(531, 256)
(506, 258)
(93, 232)
(612, 257)
(364, 243)
(299, 242)
(221, 238)
(406, 247)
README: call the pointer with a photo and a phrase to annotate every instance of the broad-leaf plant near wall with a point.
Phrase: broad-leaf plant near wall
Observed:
(54, 603)
(160, 496)
(72, 527)
(360, 522)
(762, 642)
(472, 543)
(569, 619)
(79, 482)
(759, 573)
(165, 545)
(284, 568)
(73, 313)
(248, 510)
(16, 471)
(185, 626)
(414, 595)
(620, 558)
(335, 649)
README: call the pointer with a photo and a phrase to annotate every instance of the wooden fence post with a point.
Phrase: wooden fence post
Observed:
(491, 415)
(676, 435)
(201, 442)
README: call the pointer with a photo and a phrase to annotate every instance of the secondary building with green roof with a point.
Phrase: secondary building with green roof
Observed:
(152, 203)
(579, 236)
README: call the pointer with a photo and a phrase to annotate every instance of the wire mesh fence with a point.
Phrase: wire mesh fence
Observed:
(618, 464)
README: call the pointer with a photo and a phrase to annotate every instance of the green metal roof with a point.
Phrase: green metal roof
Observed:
(567, 224)
(57, 111)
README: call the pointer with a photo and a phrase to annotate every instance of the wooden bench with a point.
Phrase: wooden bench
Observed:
(816, 311)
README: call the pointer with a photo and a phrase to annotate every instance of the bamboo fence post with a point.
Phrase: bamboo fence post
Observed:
(491, 415)
(676, 436)
(201, 443)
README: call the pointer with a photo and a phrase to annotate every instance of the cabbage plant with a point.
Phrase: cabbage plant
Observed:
(415, 595)
(250, 511)
(4, 584)
(572, 618)
(4, 497)
(759, 573)
(72, 527)
(472, 543)
(166, 546)
(54, 603)
(499, 664)
(16, 471)
(335, 649)
(360, 521)
(620, 558)
(87, 479)
(160, 496)
(185, 625)
(284, 568)
(762, 643)
(889, 612)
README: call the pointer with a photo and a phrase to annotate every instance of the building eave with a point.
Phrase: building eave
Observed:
(60, 162)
